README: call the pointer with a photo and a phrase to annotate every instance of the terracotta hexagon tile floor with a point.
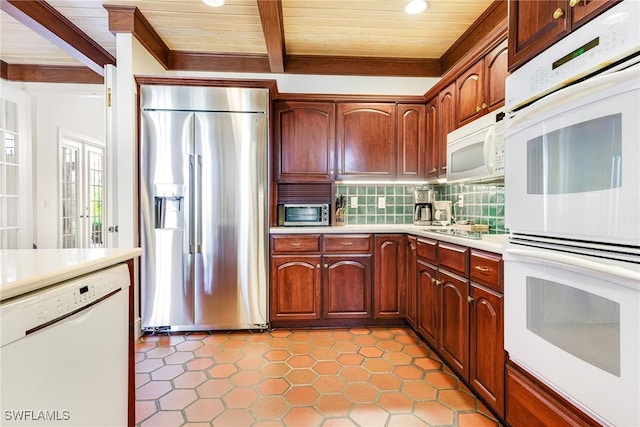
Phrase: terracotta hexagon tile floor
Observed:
(362, 377)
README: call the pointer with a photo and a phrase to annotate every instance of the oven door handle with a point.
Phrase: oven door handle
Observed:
(576, 262)
(557, 99)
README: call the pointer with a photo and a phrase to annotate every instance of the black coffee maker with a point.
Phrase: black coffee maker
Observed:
(423, 206)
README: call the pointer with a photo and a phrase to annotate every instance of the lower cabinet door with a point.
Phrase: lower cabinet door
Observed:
(390, 276)
(454, 321)
(347, 286)
(295, 287)
(428, 302)
(412, 283)
(487, 346)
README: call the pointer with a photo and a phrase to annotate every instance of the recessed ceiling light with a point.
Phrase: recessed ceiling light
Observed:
(415, 6)
(214, 3)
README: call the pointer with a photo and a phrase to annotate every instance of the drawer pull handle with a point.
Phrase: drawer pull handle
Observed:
(469, 299)
(482, 268)
(434, 170)
(347, 243)
(558, 13)
(296, 244)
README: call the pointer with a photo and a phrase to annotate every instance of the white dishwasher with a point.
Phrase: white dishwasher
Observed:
(63, 353)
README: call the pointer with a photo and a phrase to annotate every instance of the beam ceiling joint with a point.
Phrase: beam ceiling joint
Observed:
(273, 29)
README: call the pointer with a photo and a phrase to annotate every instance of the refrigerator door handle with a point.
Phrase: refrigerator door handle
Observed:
(198, 223)
(192, 210)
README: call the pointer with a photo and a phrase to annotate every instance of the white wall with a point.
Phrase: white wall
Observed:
(73, 108)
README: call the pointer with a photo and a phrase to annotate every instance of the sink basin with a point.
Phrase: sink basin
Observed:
(459, 233)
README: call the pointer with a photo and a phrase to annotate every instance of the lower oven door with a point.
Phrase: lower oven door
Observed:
(573, 321)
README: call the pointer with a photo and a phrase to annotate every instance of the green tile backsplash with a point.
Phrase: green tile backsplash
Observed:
(483, 203)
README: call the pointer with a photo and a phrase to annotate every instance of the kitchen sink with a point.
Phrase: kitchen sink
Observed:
(459, 233)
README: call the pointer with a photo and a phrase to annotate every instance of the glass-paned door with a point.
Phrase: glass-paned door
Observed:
(82, 194)
(9, 175)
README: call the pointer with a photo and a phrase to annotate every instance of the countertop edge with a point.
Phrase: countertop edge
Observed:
(45, 279)
(486, 245)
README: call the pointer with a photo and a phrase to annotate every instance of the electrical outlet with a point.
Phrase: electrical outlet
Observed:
(354, 202)
(382, 202)
(460, 200)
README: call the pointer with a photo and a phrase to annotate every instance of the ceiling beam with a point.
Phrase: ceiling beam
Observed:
(129, 19)
(273, 29)
(45, 20)
(218, 62)
(51, 74)
(362, 66)
(4, 70)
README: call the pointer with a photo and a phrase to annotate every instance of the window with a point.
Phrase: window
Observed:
(9, 175)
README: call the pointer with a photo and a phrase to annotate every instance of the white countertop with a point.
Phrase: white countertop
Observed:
(27, 270)
(489, 242)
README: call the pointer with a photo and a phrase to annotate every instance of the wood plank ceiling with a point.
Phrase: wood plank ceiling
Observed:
(357, 37)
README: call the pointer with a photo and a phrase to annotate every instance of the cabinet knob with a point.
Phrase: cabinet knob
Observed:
(484, 105)
(331, 172)
(558, 13)
(326, 266)
(339, 171)
(317, 265)
(478, 109)
(469, 298)
(574, 3)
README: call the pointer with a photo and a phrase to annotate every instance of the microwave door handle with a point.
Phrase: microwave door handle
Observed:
(572, 261)
(489, 149)
(569, 94)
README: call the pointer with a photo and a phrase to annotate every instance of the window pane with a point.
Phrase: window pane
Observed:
(12, 239)
(10, 116)
(12, 180)
(12, 212)
(10, 148)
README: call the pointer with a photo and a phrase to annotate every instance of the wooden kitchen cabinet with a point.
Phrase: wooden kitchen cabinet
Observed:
(428, 302)
(446, 123)
(295, 287)
(347, 286)
(411, 282)
(480, 89)
(411, 146)
(390, 276)
(537, 24)
(304, 141)
(366, 140)
(454, 321)
(432, 138)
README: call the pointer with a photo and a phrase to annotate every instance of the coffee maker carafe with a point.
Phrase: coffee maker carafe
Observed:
(423, 206)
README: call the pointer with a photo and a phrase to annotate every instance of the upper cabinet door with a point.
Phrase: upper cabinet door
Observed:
(447, 123)
(534, 25)
(411, 142)
(304, 141)
(495, 73)
(433, 141)
(366, 140)
(469, 98)
(583, 11)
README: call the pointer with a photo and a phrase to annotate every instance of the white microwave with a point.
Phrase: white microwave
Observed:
(475, 152)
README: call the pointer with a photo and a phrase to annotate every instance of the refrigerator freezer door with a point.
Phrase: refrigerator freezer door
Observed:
(165, 207)
(231, 198)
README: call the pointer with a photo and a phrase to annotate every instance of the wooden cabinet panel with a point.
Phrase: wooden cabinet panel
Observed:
(532, 404)
(495, 73)
(366, 140)
(295, 243)
(585, 10)
(454, 321)
(447, 122)
(390, 276)
(427, 249)
(454, 258)
(433, 141)
(295, 287)
(470, 94)
(347, 287)
(486, 269)
(532, 27)
(346, 243)
(411, 285)
(487, 357)
(428, 303)
(304, 141)
(411, 157)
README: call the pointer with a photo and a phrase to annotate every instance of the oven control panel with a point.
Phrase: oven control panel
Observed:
(609, 38)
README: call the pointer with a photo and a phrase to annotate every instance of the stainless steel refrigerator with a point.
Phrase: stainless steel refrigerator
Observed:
(203, 204)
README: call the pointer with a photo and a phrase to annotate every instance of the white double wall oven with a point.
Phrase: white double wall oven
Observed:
(572, 205)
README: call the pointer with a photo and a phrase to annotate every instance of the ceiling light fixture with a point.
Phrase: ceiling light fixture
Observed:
(415, 6)
(214, 3)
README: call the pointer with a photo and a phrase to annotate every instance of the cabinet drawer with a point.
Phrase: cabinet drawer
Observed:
(454, 258)
(295, 243)
(486, 269)
(342, 243)
(427, 249)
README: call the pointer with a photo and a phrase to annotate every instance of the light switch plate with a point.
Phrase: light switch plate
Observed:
(382, 202)
(354, 201)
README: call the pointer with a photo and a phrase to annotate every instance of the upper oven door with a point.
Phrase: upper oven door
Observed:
(573, 162)
(573, 323)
